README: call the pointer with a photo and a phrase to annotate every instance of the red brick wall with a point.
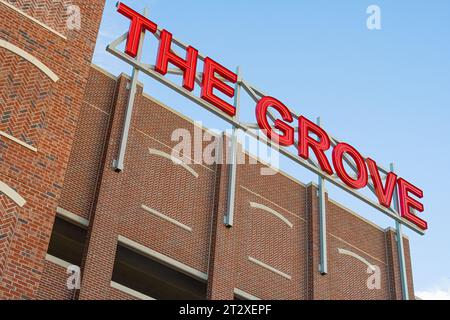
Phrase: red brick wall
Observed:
(115, 294)
(121, 196)
(53, 285)
(112, 202)
(348, 232)
(24, 98)
(42, 113)
(392, 256)
(261, 236)
(77, 134)
(52, 13)
(87, 152)
(200, 203)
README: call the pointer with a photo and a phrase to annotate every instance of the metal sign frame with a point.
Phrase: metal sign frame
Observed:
(248, 128)
(256, 95)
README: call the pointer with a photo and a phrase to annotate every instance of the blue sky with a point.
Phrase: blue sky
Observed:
(386, 92)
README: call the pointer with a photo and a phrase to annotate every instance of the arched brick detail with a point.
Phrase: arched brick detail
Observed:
(25, 92)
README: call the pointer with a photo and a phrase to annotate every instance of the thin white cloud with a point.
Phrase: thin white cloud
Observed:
(438, 292)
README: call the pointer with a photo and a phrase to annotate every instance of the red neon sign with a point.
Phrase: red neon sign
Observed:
(138, 24)
(265, 103)
(165, 55)
(210, 82)
(366, 168)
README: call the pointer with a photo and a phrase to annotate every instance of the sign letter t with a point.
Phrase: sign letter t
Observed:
(139, 24)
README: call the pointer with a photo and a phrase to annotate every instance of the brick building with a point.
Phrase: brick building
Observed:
(155, 230)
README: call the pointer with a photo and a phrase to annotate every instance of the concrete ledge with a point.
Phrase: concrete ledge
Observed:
(12, 194)
(270, 268)
(65, 214)
(244, 295)
(163, 259)
(19, 142)
(166, 218)
(58, 261)
(130, 292)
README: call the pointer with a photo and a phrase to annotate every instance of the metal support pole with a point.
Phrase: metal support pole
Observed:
(323, 267)
(400, 248)
(118, 164)
(229, 216)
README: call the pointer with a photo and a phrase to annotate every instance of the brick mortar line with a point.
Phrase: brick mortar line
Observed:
(162, 143)
(97, 108)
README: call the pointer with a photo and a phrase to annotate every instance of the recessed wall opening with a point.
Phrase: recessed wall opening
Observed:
(154, 279)
(67, 241)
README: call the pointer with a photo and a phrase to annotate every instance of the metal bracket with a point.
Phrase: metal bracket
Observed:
(118, 164)
(229, 215)
(400, 247)
(323, 266)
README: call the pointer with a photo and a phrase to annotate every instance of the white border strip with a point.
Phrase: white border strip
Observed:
(356, 256)
(163, 258)
(174, 160)
(273, 212)
(244, 295)
(20, 142)
(266, 266)
(32, 59)
(105, 72)
(166, 218)
(63, 213)
(12, 194)
(33, 19)
(130, 292)
(58, 261)
(275, 204)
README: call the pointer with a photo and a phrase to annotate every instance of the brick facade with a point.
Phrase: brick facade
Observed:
(113, 202)
(53, 283)
(44, 69)
(75, 123)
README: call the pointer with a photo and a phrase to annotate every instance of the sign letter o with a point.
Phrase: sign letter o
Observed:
(338, 154)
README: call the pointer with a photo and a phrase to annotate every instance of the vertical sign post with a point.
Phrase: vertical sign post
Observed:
(118, 164)
(323, 267)
(232, 157)
(400, 248)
